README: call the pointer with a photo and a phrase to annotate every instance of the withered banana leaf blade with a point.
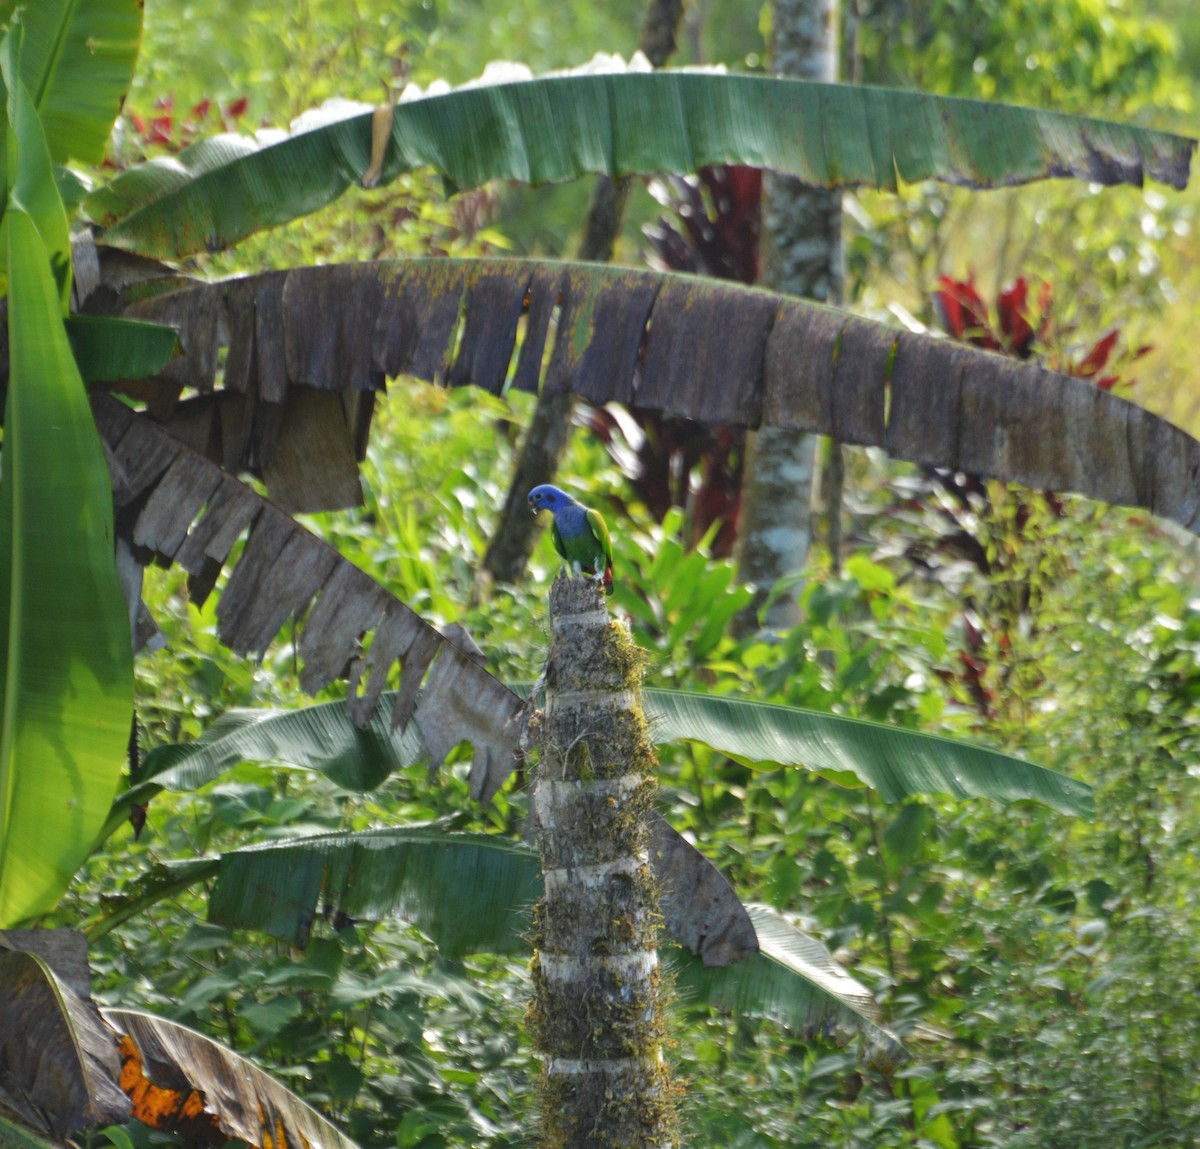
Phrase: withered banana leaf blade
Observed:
(276, 578)
(700, 909)
(664, 341)
(213, 1086)
(60, 1057)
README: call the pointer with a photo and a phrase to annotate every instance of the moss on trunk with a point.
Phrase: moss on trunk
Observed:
(597, 1014)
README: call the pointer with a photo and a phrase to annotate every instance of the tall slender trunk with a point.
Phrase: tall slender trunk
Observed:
(546, 439)
(802, 233)
(597, 1015)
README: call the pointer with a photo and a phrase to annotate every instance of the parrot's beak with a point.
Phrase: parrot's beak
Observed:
(532, 507)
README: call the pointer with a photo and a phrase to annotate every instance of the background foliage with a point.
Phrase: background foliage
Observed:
(1049, 965)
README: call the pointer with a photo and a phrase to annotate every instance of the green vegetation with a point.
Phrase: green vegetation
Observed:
(1037, 967)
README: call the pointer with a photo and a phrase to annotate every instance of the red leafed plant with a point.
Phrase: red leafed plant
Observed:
(971, 528)
(164, 130)
(1026, 331)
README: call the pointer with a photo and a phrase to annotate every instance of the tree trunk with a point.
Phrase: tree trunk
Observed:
(802, 232)
(597, 1015)
(516, 530)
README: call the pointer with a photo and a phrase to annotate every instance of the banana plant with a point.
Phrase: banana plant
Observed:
(323, 378)
(66, 684)
(472, 892)
(66, 689)
(316, 365)
(66, 678)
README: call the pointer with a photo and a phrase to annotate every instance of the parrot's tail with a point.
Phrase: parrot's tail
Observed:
(608, 580)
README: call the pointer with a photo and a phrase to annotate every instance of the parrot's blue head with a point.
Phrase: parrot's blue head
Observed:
(548, 498)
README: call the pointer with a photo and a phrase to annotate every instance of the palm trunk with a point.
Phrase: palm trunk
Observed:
(802, 230)
(545, 442)
(597, 1016)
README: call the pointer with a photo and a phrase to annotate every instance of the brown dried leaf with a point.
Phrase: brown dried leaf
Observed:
(350, 604)
(393, 639)
(312, 465)
(64, 951)
(187, 1083)
(59, 1059)
(279, 572)
(713, 352)
(197, 315)
(706, 351)
(700, 909)
(462, 702)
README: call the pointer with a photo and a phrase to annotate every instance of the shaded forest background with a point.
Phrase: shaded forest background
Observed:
(1041, 970)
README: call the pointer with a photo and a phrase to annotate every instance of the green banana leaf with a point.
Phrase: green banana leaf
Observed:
(895, 762)
(72, 187)
(108, 348)
(66, 680)
(557, 128)
(468, 892)
(78, 62)
(794, 981)
(30, 172)
(320, 737)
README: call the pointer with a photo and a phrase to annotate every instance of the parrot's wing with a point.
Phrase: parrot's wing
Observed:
(600, 530)
(557, 540)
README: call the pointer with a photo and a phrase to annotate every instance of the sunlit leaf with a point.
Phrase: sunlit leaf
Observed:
(31, 182)
(78, 62)
(556, 128)
(66, 683)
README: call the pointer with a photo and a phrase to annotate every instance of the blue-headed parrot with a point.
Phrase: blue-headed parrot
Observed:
(579, 534)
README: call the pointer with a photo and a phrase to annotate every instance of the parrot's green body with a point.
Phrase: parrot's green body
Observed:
(580, 535)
